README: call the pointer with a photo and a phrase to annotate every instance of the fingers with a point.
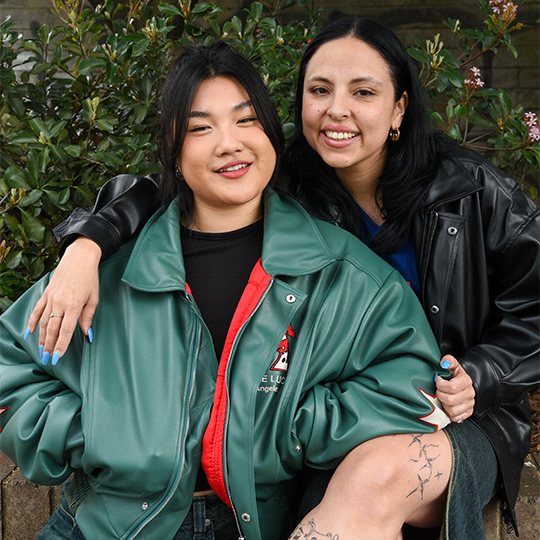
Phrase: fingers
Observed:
(35, 316)
(72, 292)
(456, 395)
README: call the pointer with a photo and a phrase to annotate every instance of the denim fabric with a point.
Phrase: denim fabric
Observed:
(474, 481)
(208, 519)
(62, 525)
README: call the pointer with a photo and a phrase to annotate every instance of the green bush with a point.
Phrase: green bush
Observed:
(79, 104)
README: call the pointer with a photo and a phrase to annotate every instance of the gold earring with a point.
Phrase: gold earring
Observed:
(394, 134)
(177, 172)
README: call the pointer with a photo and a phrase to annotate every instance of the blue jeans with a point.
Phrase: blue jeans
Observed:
(208, 519)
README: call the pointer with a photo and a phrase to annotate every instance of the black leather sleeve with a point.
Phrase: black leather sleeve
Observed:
(123, 206)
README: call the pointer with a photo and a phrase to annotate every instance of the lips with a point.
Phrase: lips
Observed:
(234, 170)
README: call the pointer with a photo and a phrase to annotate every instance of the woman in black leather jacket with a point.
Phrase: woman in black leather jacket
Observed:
(461, 232)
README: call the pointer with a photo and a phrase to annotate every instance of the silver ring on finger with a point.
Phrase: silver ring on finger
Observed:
(55, 315)
(460, 421)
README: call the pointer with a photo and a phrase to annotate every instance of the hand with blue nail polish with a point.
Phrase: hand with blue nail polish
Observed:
(72, 294)
(55, 358)
(457, 394)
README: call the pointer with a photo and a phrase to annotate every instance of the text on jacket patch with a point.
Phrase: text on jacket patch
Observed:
(271, 382)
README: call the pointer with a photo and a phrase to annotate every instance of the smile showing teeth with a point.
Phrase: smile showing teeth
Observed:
(235, 168)
(339, 135)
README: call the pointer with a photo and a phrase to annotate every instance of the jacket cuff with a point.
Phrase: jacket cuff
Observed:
(85, 223)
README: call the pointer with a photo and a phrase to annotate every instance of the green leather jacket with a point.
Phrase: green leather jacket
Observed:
(328, 348)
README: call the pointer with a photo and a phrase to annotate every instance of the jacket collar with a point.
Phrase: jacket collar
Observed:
(292, 245)
(452, 181)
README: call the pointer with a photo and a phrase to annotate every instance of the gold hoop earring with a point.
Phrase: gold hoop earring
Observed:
(394, 134)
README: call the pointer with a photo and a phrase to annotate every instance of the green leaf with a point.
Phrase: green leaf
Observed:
(14, 259)
(37, 268)
(89, 64)
(31, 198)
(454, 132)
(169, 9)
(419, 54)
(147, 82)
(33, 228)
(73, 150)
(139, 47)
(31, 46)
(105, 125)
(200, 8)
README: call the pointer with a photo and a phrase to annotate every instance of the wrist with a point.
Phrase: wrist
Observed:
(83, 244)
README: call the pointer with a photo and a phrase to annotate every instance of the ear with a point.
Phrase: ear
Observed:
(399, 110)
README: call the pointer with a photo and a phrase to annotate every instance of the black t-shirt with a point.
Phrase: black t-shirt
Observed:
(218, 266)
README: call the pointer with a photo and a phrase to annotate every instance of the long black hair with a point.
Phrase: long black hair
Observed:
(410, 161)
(194, 65)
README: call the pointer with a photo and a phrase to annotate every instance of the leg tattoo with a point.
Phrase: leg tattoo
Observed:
(425, 460)
(307, 531)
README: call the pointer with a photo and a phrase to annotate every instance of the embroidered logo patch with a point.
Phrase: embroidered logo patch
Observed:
(271, 382)
(282, 357)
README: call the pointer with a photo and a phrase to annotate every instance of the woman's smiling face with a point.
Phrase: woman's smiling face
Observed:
(226, 159)
(349, 107)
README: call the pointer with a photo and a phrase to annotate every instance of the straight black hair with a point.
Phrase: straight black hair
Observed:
(410, 161)
(194, 65)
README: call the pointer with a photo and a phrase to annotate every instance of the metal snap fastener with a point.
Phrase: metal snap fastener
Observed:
(452, 231)
(298, 448)
(291, 298)
(435, 310)
(246, 518)
(144, 505)
(207, 522)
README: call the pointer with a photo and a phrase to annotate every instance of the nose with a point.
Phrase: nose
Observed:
(229, 141)
(339, 107)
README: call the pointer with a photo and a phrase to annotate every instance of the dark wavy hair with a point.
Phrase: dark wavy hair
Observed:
(194, 65)
(410, 162)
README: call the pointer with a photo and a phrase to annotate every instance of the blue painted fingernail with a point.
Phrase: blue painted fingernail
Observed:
(45, 358)
(26, 333)
(435, 378)
(90, 335)
(41, 351)
(55, 357)
(446, 364)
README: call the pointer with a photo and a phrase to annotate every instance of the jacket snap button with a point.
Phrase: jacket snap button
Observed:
(452, 231)
(246, 518)
(298, 448)
(291, 298)
(207, 522)
(435, 310)
(144, 505)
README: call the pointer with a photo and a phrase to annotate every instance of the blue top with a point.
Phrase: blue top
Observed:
(403, 260)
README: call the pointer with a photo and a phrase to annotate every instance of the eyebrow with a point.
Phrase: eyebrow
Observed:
(353, 81)
(235, 108)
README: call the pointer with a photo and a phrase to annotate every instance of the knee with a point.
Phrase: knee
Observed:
(370, 471)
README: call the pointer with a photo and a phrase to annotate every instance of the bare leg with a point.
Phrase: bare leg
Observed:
(379, 486)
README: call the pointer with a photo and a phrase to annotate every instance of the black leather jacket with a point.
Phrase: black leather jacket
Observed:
(477, 242)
